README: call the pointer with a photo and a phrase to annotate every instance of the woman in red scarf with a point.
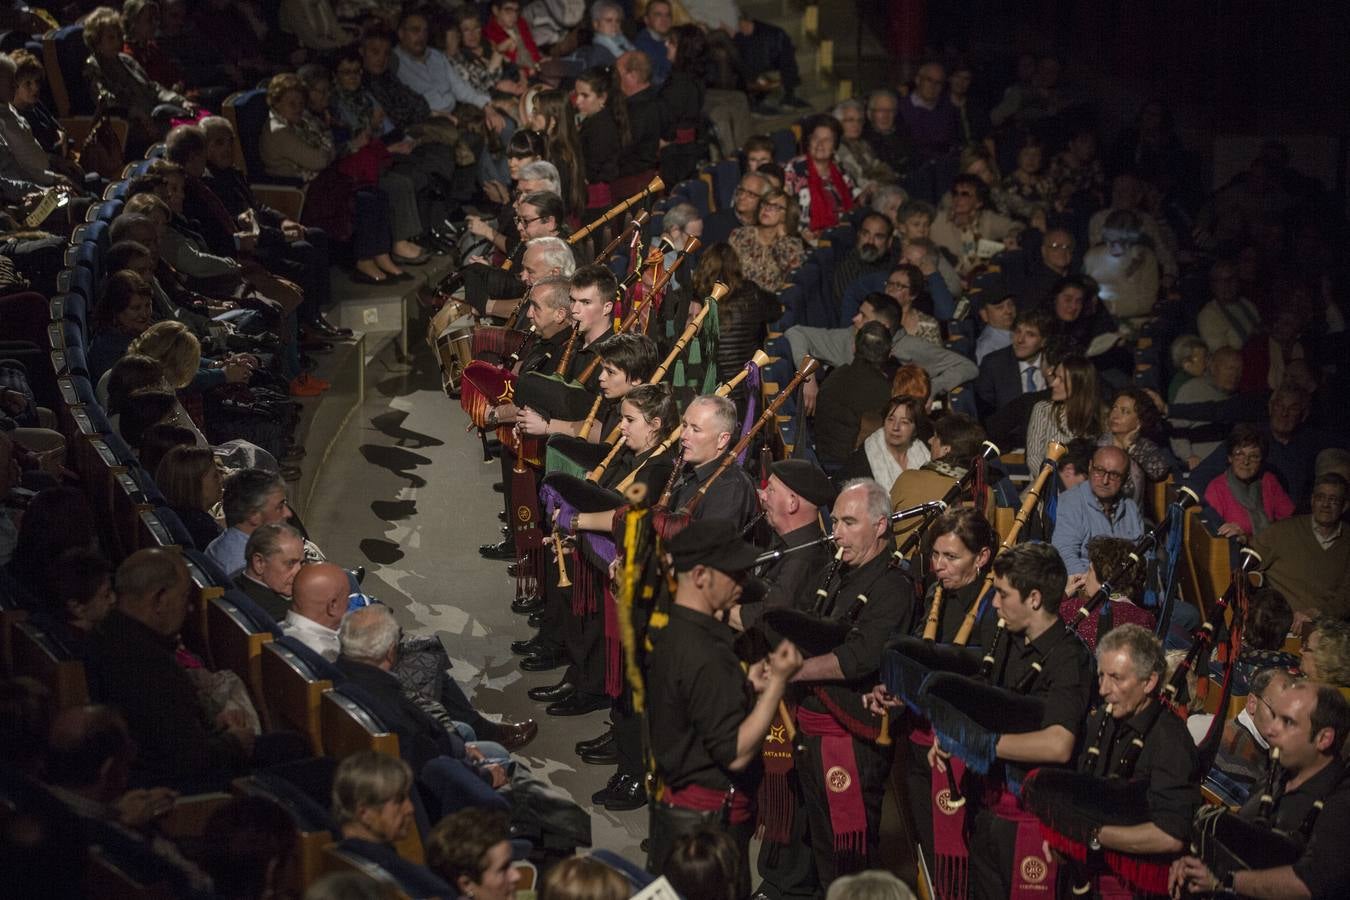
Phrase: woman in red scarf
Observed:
(824, 191)
(510, 35)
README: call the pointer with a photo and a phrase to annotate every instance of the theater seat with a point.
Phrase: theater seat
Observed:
(236, 644)
(335, 860)
(313, 824)
(294, 693)
(38, 656)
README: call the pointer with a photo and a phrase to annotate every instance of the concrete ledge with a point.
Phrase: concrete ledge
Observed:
(324, 418)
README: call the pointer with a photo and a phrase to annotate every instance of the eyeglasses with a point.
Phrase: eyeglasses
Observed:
(894, 285)
(781, 207)
(1059, 245)
(1247, 456)
(1266, 703)
(523, 221)
(745, 192)
(1106, 474)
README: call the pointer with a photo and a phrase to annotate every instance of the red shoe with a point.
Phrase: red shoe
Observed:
(307, 386)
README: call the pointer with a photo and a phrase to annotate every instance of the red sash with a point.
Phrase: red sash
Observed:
(702, 799)
(1034, 870)
(599, 196)
(843, 792)
(951, 857)
(685, 135)
(825, 209)
(775, 801)
(613, 648)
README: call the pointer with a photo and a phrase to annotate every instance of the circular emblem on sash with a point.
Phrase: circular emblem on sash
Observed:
(1033, 869)
(838, 780)
(523, 513)
(944, 802)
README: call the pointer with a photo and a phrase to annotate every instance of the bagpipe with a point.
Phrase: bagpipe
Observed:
(1227, 843)
(1073, 806)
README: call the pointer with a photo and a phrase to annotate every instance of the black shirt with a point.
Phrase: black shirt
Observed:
(954, 606)
(645, 113)
(601, 147)
(793, 578)
(1168, 763)
(890, 610)
(699, 697)
(544, 353)
(1325, 866)
(732, 496)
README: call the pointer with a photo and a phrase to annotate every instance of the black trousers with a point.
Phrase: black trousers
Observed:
(874, 764)
(919, 796)
(992, 844)
(668, 823)
(788, 871)
(583, 633)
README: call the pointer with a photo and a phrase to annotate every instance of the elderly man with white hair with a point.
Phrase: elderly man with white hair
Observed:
(455, 773)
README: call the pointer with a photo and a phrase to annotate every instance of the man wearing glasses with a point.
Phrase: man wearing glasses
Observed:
(1097, 506)
(1244, 752)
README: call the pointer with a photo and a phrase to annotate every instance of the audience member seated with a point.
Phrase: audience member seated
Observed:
(273, 555)
(1073, 410)
(743, 212)
(1243, 759)
(119, 82)
(1134, 424)
(1077, 172)
(1192, 441)
(998, 317)
(133, 666)
(1107, 558)
(955, 443)
(122, 314)
(853, 394)
(932, 122)
(314, 25)
(1027, 191)
(1270, 621)
(294, 144)
(373, 809)
(1124, 266)
(77, 594)
(585, 877)
(56, 519)
(894, 448)
(1097, 507)
(1131, 193)
(192, 483)
(969, 230)
(1228, 319)
(1015, 377)
(428, 71)
(252, 498)
(907, 284)
(88, 764)
(1326, 652)
(1247, 497)
(251, 848)
(454, 773)
(471, 850)
(1190, 359)
(856, 155)
(771, 249)
(1307, 558)
(891, 144)
(1038, 277)
(1081, 323)
(705, 863)
(42, 123)
(824, 190)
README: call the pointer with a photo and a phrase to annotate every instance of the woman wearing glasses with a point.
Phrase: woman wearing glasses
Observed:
(770, 249)
(906, 284)
(1246, 496)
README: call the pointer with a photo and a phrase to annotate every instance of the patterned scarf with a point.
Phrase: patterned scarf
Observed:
(827, 204)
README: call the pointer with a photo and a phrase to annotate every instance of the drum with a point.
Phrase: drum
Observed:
(454, 349)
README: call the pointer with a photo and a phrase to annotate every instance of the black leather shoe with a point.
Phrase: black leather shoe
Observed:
(515, 735)
(605, 756)
(577, 704)
(528, 647)
(602, 744)
(359, 573)
(499, 487)
(542, 662)
(501, 517)
(553, 693)
(628, 794)
(530, 603)
(320, 324)
(536, 620)
(596, 742)
(600, 796)
(513, 570)
(503, 549)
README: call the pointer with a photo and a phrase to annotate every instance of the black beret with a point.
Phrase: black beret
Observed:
(805, 479)
(715, 543)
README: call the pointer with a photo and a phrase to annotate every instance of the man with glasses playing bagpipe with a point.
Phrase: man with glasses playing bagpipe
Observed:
(1018, 706)
(1122, 815)
(843, 754)
(1289, 839)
